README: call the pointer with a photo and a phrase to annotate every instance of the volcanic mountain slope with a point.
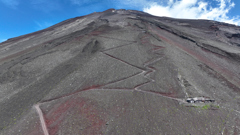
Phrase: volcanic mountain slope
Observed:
(122, 72)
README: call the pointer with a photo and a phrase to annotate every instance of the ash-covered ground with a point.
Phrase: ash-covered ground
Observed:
(122, 72)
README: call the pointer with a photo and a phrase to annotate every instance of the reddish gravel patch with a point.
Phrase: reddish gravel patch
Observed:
(60, 113)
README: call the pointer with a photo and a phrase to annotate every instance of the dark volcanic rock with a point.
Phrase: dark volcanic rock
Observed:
(122, 72)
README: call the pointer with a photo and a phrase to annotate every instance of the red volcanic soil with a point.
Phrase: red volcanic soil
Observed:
(79, 107)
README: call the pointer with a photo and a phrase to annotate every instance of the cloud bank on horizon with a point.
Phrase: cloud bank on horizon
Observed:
(194, 9)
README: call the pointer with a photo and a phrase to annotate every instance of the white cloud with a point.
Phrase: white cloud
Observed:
(10, 3)
(2, 40)
(43, 25)
(77, 2)
(139, 4)
(82, 2)
(194, 9)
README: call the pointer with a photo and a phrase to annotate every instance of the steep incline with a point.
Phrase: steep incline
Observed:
(121, 72)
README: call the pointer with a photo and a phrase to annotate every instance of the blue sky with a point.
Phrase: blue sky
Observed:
(19, 17)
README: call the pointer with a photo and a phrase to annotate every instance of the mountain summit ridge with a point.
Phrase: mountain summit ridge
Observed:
(122, 72)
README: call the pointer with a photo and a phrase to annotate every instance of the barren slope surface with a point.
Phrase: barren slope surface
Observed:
(122, 72)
